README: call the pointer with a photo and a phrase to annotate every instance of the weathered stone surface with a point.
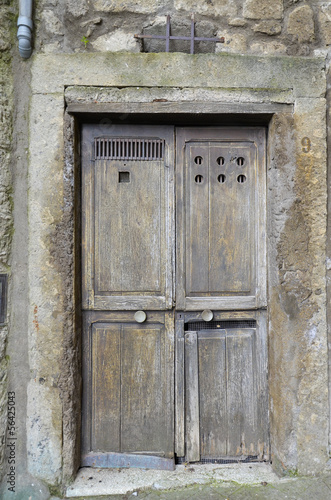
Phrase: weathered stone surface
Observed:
(301, 24)
(268, 48)
(298, 353)
(238, 22)
(232, 43)
(268, 27)
(324, 17)
(140, 6)
(77, 9)
(52, 72)
(118, 41)
(44, 433)
(90, 25)
(263, 9)
(52, 48)
(6, 202)
(219, 8)
(45, 332)
(53, 24)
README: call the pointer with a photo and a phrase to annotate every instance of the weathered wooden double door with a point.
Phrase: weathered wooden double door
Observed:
(174, 295)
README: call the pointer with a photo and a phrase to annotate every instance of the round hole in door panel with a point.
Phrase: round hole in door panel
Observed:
(198, 179)
(198, 160)
(241, 178)
(220, 160)
(240, 161)
(221, 178)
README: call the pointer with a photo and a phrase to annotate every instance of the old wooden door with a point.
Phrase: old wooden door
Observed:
(174, 340)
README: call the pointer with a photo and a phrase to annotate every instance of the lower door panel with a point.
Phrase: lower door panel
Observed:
(127, 389)
(226, 403)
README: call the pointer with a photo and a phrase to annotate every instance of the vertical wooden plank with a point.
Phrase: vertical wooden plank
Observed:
(180, 220)
(241, 393)
(168, 234)
(106, 389)
(87, 219)
(197, 217)
(232, 219)
(143, 390)
(86, 384)
(179, 388)
(168, 362)
(212, 394)
(261, 217)
(261, 380)
(192, 397)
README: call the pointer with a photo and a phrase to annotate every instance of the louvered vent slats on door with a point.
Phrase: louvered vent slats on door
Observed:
(118, 148)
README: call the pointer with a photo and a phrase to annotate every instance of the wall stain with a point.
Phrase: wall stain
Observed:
(35, 318)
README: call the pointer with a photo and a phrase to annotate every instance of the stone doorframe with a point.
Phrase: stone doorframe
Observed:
(286, 93)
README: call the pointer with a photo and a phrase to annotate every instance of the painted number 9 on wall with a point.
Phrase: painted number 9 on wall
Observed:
(306, 144)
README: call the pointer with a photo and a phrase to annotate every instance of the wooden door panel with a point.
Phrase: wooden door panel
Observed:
(127, 223)
(128, 228)
(129, 407)
(220, 218)
(227, 415)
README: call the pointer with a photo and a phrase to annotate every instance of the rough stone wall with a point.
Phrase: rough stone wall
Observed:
(6, 219)
(292, 27)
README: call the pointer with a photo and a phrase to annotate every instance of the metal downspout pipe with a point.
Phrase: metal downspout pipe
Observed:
(25, 27)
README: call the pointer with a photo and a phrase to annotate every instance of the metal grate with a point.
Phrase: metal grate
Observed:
(253, 458)
(124, 148)
(216, 325)
(192, 38)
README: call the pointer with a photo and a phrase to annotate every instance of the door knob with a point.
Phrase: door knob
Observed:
(140, 316)
(207, 315)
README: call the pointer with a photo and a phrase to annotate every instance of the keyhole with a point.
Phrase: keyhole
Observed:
(198, 179)
(240, 161)
(241, 178)
(221, 178)
(220, 160)
(198, 160)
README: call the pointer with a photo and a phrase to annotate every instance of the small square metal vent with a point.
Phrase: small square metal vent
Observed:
(126, 148)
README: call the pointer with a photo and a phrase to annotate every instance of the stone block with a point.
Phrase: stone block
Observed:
(301, 24)
(118, 41)
(52, 23)
(232, 42)
(268, 48)
(219, 8)
(139, 6)
(263, 9)
(237, 22)
(77, 9)
(268, 27)
(51, 72)
(324, 18)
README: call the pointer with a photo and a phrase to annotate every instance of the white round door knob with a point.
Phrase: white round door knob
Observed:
(207, 315)
(140, 316)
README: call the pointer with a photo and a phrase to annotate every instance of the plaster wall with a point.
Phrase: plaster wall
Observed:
(273, 60)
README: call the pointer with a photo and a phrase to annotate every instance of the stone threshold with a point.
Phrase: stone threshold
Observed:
(99, 482)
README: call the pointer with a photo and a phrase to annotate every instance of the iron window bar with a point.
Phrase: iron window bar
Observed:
(192, 38)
